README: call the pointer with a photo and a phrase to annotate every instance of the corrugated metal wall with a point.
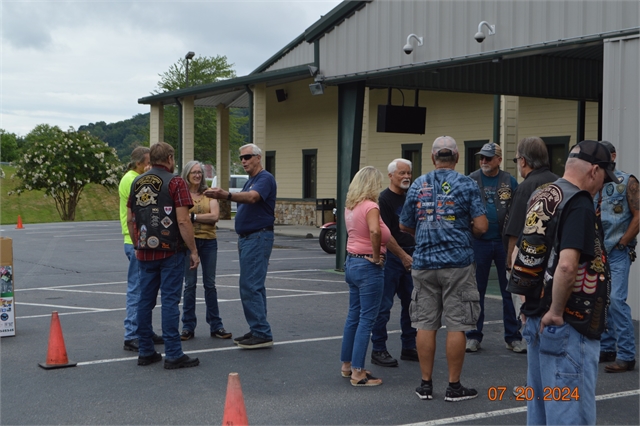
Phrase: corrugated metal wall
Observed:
(299, 55)
(373, 37)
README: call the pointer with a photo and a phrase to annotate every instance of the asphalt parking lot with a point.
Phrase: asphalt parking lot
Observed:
(79, 270)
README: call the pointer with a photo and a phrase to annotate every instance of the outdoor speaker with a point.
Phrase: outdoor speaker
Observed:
(402, 119)
(281, 95)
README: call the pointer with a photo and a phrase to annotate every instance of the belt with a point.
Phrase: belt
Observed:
(362, 256)
(246, 234)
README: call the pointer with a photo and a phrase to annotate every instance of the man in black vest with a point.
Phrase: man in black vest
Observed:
(561, 268)
(161, 230)
(496, 187)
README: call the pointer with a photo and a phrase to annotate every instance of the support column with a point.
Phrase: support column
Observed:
(350, 112)
(222, 157)
(260, 116)
(156, 123)
(188, 122)
(582, 108)
(509, 133)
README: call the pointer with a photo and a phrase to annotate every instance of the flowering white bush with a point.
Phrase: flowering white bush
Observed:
(63, 164)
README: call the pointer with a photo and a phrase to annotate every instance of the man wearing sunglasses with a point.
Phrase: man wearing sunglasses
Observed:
(496, 187)
(561, 268)
(620, 215)
(254, 226)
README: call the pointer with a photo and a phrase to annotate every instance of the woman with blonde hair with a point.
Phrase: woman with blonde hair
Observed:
(364, 272)
(204, 215)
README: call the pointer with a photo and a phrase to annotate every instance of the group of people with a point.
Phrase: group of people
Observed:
(562, 248)
(168, 222)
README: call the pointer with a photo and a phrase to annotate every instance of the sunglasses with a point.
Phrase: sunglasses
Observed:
(515, 160)
(247, 157)
(485, 158)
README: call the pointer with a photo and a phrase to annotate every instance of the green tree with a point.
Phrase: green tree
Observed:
(8, 146)
(202, 70)
(62, 163)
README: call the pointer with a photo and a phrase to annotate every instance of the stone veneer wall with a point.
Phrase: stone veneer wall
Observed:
(296, 212)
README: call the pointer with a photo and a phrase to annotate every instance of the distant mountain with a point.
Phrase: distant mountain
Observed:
(124, 135)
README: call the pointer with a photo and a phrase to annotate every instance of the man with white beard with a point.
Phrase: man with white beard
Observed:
(397, 270)
(496, 188)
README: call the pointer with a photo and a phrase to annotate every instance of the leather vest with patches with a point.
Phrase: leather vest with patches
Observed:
(155, 213)
(502, 196)
(537, 260)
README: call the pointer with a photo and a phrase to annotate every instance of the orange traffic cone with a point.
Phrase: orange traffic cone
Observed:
(57, 352)
(19, 225)
(235, 412)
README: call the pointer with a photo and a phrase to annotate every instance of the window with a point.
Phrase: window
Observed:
(309, 172)
(472, 161)
(270, 162)
(558, 147)
(413, 153)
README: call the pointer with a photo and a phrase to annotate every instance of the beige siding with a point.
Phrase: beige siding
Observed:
(302, 122)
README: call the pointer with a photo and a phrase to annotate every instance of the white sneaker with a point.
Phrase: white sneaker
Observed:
(518, 346)
(472, 345)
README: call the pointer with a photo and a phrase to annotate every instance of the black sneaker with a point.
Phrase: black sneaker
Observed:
(459, 394)
(150, 359)
(221, 334)
(183, 362)
(157, 340)
(187, 334)
(425, 390)
(383, 359)
(409, 355)
(131, 345)
(241, 338)
(255, 342)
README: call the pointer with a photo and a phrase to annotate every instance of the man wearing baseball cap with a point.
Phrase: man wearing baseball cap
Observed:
(619, 212)
(496, 189)
(561, 268)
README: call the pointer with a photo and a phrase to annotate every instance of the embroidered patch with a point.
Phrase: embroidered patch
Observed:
(168, 210)
(166, 222)
(504, 194)
(146, 196)
(585, 282)
(620, 188)
(153, 242)
(446, 187)
(543, 206)
(531, 248)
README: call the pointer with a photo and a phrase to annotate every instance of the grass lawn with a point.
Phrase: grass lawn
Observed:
(96, 203)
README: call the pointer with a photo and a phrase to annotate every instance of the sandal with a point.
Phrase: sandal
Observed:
(367, 381)
(347, 374)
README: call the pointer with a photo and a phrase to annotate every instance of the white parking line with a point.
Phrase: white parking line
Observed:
(64, 307)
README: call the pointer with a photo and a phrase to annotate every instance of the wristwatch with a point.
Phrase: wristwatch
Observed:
(620, 246)
(229, 196)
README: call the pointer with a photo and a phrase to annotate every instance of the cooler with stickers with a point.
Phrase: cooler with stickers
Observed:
(7, 309)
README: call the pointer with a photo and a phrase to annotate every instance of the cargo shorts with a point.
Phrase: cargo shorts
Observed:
(450, 293)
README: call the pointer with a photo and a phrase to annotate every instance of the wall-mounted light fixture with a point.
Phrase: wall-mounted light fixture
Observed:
(316, 88)
(281, 95)
(187, 58)
(480, 35)
(312, 70)
(408, 48)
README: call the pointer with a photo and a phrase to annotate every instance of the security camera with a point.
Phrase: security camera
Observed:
(480, 36)
(408, 48)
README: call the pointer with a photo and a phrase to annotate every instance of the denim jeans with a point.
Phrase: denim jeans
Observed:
(254, 251)
(208, 252)
(485, 253)
(366, 282)
(619, 336)
(397, 280)
(560, 357)
(165, 275)
(133, 295)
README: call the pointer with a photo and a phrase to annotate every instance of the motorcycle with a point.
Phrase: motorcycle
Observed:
(328, 234)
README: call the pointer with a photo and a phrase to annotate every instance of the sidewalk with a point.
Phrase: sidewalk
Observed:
(284, 230)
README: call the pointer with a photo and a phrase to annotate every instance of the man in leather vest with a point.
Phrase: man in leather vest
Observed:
(619, 209)
(560, 266)
(161, 230)
(496, 188)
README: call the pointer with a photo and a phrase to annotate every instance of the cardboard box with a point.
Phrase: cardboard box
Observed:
(7, 306)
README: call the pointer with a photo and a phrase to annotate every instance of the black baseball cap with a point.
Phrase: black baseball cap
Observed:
(609, 146)
(596, 153)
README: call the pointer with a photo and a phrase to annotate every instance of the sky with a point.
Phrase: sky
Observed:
(69, 63)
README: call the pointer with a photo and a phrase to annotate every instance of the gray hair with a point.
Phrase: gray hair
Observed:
(187, 169)
(255, 149)
(137, 156)
(534, 151)
(393, 166)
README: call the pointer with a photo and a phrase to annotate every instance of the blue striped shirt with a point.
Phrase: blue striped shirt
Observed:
(440, 206)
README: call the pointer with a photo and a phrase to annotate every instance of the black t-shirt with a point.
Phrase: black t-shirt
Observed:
(520, 201)
(390, 208)
(576, 230)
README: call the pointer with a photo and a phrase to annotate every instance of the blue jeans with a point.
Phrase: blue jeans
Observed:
(619, 335)
(397, 280)
(208, 252)
(485, 253)
(254, 251)
(560, 357)
(165, 275)
(366, 282)
(133, 295)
